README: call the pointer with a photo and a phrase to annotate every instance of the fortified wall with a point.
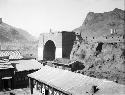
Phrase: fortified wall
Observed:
(55, 45)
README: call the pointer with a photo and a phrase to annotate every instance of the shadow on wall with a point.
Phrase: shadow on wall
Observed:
(68, 39)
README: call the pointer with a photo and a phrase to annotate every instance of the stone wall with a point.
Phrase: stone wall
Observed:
(56, 38)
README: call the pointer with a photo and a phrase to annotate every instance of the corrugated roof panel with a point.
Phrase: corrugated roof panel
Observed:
(13, 54)
(22, 65)
(6, 65)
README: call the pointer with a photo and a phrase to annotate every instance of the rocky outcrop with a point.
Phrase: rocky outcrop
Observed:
(100, 45)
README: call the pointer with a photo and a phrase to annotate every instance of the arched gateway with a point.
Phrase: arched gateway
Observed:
(55, 45)
(49, 50)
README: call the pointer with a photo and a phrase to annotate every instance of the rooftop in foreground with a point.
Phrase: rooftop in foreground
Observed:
(75, 83)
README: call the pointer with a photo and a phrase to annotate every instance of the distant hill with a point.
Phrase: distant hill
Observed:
(9, 33)
(12, 38)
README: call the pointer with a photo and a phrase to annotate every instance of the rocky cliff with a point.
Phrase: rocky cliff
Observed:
(100, 45)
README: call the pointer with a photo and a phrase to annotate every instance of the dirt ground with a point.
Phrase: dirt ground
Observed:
(24, 91)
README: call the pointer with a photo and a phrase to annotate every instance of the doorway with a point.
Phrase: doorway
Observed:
(49, 51)
(7, 83)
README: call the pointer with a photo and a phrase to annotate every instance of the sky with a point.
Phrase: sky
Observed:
(39, 16)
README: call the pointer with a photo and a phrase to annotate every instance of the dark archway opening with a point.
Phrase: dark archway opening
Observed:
(49, 51)
(99, 48)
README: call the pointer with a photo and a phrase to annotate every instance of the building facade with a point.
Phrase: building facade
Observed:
(55, 45)
(13, 74)
(6, 76)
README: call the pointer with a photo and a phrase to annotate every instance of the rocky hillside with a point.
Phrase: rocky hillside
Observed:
(12, 38)
(100, 45)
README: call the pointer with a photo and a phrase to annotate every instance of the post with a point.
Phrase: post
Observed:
(31, 85)
(43, 48)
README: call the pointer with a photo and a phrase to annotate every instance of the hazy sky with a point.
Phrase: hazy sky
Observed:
(37, 16)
